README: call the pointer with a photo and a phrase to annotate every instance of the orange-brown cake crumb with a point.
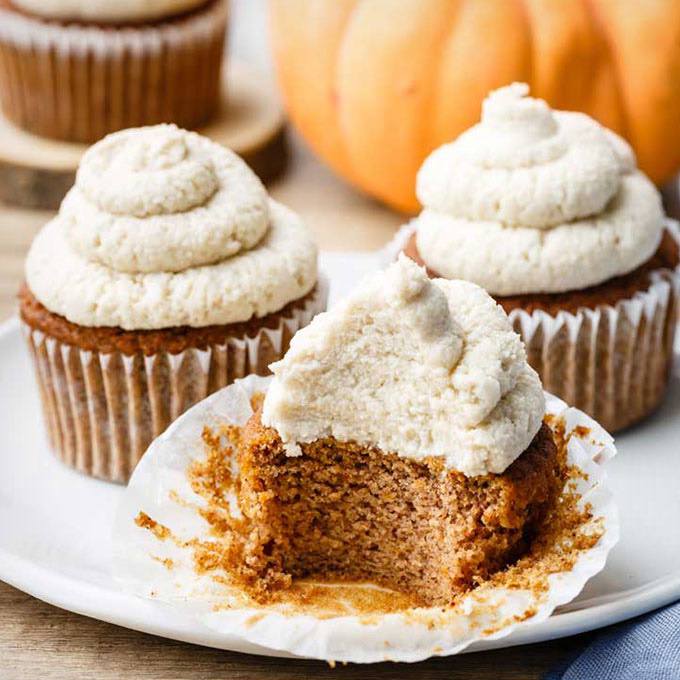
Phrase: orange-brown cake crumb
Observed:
(346, 512)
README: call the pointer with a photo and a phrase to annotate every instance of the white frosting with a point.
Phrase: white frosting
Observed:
(412, 366)
(532, 200)
(166, 228)
(162, 199)
(256, 282)
(107, 11)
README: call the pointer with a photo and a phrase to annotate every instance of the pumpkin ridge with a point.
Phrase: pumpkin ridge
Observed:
(612, 63)
(354, 176)
(428, 134)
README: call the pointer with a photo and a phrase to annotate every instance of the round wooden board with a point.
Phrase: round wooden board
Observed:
(36, 172)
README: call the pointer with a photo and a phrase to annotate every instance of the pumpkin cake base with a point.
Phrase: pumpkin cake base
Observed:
(107, 392)
(342, 511)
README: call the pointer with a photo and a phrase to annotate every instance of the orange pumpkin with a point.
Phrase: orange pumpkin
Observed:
(375, 85)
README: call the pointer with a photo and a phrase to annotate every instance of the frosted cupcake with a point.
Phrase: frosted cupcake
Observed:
(167, 274)
(79, 69)
(547, 211)
(401, 441)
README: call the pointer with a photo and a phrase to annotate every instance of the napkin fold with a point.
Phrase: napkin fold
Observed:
(647, 648)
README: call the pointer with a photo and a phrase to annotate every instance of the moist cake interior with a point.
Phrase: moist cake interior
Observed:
(342, 511)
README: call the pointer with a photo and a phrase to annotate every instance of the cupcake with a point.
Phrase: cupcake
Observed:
(77, 70)
(167, 273)
(401, 442)
(547, 211)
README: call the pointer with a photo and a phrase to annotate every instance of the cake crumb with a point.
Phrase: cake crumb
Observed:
(165, 561)
(158, 530)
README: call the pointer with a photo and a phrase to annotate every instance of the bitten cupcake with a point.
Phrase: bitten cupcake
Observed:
(400, 488)
(547, 211)
(400, 442)
(77, 70)
(167, 273)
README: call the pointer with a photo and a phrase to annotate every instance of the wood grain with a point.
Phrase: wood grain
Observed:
(41, 641)
(36, 172)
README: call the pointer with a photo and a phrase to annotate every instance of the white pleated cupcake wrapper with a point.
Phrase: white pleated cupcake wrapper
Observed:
(103, 410)
(161, 489)
(613, 361)
(109, 78)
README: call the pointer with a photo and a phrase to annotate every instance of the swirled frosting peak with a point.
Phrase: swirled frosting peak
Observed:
(553, 193)
(167, 228)
(415, 367)
(163, 199)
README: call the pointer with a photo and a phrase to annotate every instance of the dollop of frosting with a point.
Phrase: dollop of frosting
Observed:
(162, 199)
(520, 198)
(413, 366)
(165, 228)
(107, 11)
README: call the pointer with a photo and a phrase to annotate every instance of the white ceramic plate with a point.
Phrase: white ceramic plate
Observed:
(55, 524)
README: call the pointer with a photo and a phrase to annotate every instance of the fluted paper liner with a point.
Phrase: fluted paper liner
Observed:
(163, 570)
(78, 82)
(614, 361)
(103, 410)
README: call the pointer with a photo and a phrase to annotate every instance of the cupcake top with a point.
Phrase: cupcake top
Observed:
(532, 200)
(166, 228)
(413, 366)
(107, 11)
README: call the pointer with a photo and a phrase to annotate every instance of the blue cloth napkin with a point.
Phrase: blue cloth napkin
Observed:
(647, 648)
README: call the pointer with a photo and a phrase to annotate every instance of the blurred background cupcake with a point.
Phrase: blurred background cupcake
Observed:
(167, 274)
(77, 70)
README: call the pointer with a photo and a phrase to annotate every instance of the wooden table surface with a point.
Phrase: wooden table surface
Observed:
(41, 641)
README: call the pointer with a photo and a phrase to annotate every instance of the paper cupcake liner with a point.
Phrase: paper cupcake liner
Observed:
(78, 82)
(149, 565)
(103, 410)
(614, 361)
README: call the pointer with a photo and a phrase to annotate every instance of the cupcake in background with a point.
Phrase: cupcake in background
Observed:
(167, 274)
(77, 70)
(547, 211)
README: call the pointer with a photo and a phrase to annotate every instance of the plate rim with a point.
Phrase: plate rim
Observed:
(151, 617)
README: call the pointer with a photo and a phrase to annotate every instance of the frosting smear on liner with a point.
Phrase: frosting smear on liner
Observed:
(532, 200)
(413, 366)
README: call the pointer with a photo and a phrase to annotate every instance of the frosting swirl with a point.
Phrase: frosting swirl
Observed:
(166, 228)
(533, 200)
(415, 367)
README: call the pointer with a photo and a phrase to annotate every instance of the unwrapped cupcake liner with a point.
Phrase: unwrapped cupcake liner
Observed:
(151, 565)
(103, 410)
(614, 361)
(79, 82)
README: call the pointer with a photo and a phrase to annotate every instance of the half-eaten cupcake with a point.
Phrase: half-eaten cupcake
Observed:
(401, 442)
